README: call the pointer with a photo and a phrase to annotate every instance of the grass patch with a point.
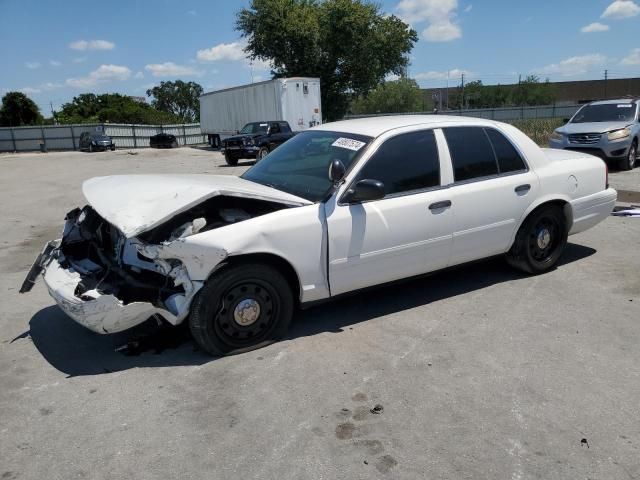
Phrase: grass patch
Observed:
(538, 129)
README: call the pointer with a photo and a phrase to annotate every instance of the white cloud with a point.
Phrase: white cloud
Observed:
(92, 45)
(30, 90)
(103, 74)
(439, 14)
(170, 69)
(442, 75)
(574, 65)
(621, 9)
(224, 51)
(45, 87)
(595, 27)
(138, 75)
(258, 64)
(632, 59)
(79, 59)
(32, 65)
(468, 8)
(55, 63)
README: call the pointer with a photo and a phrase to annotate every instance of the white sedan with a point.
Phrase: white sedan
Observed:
(337, 208)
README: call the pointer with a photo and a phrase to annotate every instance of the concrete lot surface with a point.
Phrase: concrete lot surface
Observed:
(483, 373)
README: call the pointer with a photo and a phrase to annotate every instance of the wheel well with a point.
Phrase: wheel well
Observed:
(562, 204)
(276, 262)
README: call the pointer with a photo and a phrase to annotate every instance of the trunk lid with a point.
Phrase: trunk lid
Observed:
(137, 203)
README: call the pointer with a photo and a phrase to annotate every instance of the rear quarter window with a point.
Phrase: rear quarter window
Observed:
(509, 160)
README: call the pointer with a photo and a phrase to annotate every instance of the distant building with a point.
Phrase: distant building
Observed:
(138, 99)
(566, 93)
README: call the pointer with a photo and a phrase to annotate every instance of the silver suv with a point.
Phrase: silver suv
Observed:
(609, 129)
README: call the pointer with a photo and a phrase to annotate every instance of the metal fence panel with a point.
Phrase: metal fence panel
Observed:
(66, 137)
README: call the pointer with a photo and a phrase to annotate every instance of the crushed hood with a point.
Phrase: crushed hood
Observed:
(137, 203)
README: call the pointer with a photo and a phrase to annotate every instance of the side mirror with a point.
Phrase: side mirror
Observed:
(565, 120)
(336, 171)
(365, 190)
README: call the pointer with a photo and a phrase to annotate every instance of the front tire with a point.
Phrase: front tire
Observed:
(90, 148)
(231, 160)
(629, 162)
(540, 241)
(241, 308)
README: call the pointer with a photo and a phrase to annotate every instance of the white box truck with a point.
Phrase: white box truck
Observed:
(294, 100)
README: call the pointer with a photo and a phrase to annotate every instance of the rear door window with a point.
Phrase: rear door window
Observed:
(471, 153)
(509, 160)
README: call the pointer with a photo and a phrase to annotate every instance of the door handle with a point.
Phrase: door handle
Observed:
(439, 205)
(523, 188)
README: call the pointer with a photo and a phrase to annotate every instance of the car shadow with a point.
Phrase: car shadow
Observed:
(76, 351)
(204, 148)
(241, 163)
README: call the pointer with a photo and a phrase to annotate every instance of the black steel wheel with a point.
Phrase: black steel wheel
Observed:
(540, 240)
(242, 307)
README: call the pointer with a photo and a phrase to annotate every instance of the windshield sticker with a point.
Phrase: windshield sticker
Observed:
(625, 105)
(348, 143)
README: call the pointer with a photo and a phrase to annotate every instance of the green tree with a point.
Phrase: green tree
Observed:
(17, 109)
(397, 96)
(349, 44)
(531, 91)
(182, 99)
(113, 108)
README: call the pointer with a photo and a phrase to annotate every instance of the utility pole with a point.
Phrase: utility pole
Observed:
(53, 114)
(606, 77)
(448, 71)
(462, 102)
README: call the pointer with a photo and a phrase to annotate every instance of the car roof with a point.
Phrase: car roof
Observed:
(614, 101)
(376, 126)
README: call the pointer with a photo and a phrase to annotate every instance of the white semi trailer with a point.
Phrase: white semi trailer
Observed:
(295, 100)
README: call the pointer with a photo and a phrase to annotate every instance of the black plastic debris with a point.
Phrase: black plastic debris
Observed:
(377, 410)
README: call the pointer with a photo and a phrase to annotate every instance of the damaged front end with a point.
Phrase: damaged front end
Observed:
(109, 282)
(99, 278)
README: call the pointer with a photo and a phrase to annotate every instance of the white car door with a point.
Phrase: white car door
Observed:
(492, 188)
(408, 232)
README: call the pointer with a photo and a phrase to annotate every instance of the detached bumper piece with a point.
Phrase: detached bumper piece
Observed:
(102, 313)
(38, 266)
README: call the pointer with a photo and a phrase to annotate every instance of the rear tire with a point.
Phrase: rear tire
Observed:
(241, 308)
(90, 148)
(231, 160)
(174, 144)
(629, 162)
(540, 241)
(263, 152)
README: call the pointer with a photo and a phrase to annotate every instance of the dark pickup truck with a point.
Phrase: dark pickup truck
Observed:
(255, 140)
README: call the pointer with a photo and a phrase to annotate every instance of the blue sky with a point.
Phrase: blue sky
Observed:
(55, 50)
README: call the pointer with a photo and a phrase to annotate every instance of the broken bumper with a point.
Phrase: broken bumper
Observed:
(98, 312)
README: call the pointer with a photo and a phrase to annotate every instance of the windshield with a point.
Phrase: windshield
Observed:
(301, 165)
(256, 127)
(608, 112)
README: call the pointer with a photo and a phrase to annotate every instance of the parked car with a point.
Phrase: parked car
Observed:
(256, 140)
(608, 129)
(163, 140)
(93, 142)
(338, 208)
